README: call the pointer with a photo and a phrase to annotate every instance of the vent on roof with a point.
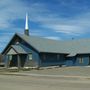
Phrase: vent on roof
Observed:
(17, 42)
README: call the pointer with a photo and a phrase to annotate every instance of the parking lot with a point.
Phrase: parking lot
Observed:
(8, 82)
(31, 80)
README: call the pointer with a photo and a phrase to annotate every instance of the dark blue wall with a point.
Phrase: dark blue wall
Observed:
(35, 54)
(52, 59)
(74, 61)
(70, 61)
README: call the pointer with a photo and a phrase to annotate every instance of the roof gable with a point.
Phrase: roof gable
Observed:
(21, 49)
(12, 39)
(11, 51)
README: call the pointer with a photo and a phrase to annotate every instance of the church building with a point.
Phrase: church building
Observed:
(24, 50)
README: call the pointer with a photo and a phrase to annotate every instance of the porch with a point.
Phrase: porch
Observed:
(18, 56)
(17, 60)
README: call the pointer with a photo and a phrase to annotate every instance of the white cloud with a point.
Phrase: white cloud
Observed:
(77, 26)
(15, 9)
(53, 38)
(67, 29)
(11, 10)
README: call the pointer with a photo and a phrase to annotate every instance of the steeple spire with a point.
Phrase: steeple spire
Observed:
(26, 24)
(26, 32)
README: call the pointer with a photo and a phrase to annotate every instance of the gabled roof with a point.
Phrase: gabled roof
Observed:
(71, 47)
(44, 45)
(21, 49)
(18, 49)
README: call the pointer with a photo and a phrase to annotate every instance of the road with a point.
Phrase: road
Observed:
(11, 82)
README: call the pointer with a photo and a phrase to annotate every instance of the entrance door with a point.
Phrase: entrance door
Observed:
(13, 62)
(23, 59)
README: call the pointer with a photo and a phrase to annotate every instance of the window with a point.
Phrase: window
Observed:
(80, 60)
(30, 56)
(10, 57)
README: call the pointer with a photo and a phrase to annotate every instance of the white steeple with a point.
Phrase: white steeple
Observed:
(26, 32)
(26, 23)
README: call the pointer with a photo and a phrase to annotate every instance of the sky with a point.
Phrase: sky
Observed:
(53, 19)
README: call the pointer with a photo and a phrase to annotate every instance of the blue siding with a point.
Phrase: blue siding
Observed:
(85, 61)
(35, 54)
(52, 59)
(75, 61)
(70, 61)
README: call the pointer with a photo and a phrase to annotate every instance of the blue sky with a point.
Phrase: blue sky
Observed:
(54, 19)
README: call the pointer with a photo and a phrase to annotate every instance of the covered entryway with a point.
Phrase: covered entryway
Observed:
(13, 60)
(17, 56)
